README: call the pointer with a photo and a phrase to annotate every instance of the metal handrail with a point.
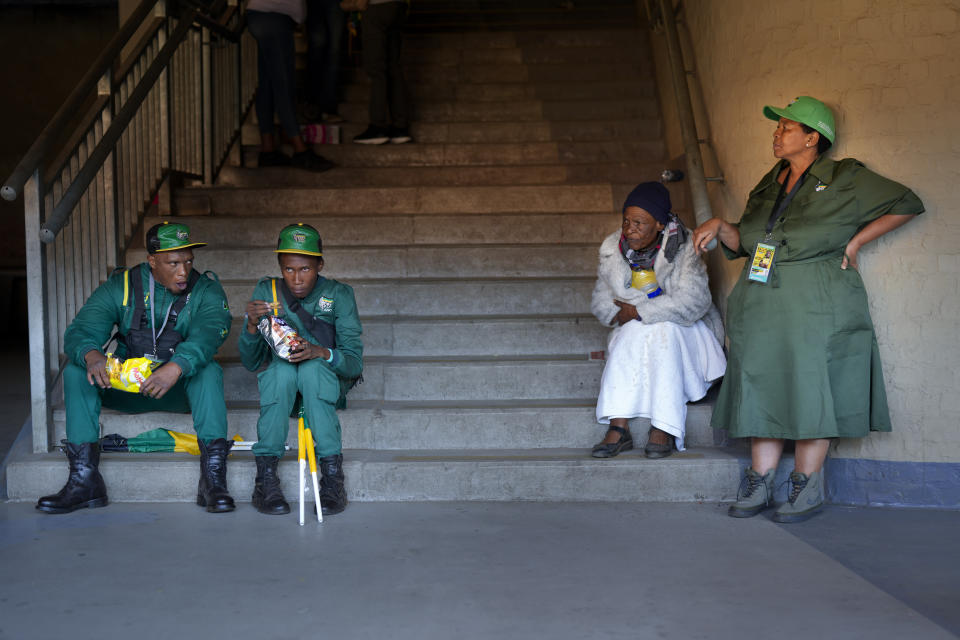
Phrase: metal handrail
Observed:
(688, 127)
(68, 202)
(13, 187)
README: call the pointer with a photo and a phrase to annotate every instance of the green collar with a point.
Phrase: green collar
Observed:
(822, 169)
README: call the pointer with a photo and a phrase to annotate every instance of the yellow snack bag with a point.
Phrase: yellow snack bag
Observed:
(129, 374)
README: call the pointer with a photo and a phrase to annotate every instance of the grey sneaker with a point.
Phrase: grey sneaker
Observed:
(756, 496)
(806, 498)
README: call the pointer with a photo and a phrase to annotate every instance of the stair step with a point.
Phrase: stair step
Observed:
(557, 15)
(555, 131)
(437, 426)
(498, 132)
(519, 110)
(460, 336)
(421, 154)
(622, 37)
(439, 91)
(430, 261)
(530, 55)
(491, 154)
(283, 177)
(301, 202)
(339, 232)
(525, 73)
(411, 298)
(533, 475)
(448, 379)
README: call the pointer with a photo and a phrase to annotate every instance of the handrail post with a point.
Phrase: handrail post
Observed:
(206, 90)
(688, 126)
(164, 119)
(36, 253)
(163, 87)
(110, 211)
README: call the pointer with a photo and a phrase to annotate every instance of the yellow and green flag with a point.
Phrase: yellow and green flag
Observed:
(153, 441)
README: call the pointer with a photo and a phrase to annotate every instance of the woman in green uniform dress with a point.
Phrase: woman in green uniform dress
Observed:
(803, 362)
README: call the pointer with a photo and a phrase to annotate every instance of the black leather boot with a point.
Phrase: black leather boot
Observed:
(333, 497)
(84, 488)
(267, 494)
(212, 490)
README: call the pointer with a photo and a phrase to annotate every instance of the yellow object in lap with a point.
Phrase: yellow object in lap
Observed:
(129, 374)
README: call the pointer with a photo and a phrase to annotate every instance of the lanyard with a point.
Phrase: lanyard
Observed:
(782, 203)
(153, 317)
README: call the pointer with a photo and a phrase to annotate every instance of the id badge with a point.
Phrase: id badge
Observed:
(762, 263)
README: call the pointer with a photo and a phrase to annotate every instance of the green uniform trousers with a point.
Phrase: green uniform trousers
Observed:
(320, 388)
(201, 393)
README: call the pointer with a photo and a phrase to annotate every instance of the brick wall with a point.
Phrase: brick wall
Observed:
(890, 69)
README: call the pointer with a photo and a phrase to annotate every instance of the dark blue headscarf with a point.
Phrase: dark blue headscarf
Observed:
(654, 198)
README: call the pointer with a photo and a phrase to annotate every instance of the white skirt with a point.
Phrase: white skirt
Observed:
(654, 370)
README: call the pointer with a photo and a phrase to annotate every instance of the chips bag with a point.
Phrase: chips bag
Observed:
(281, 337)
(129, 374)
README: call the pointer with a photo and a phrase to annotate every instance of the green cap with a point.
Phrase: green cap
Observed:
(169, 236)
(808, 111)
(300, 238)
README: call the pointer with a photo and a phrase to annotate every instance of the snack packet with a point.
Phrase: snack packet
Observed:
(281, 337)
(129, 374)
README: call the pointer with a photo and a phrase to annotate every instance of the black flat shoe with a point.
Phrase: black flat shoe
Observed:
(611, 449)
(655, 450)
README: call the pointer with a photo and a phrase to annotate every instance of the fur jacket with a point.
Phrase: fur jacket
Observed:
(686, 292)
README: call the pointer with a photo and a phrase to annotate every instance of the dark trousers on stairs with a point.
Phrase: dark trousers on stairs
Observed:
(381, 37)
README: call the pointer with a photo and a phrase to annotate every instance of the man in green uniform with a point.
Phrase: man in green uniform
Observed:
(324, 312)
(165, 310)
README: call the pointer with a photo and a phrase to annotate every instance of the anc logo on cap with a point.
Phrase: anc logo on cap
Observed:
(300, 238)
(808, 111)
(169, 236)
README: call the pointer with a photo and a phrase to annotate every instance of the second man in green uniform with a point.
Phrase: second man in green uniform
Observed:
(324, 312)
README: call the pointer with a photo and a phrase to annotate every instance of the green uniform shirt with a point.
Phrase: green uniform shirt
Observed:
(803, 357)
(204, 321)
(330, 301)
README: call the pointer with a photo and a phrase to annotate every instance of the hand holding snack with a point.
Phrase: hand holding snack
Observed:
(129, 374)
(280, 336)
(97, 369)
(308, 351)
(256, 309)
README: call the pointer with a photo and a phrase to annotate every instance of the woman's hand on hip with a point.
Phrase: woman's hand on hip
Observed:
(626, 313)
(850, 256)
(882, 225)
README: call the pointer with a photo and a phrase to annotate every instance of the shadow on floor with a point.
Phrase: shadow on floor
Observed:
(912, 554)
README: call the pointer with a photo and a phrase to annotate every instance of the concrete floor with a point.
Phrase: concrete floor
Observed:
(453, 570)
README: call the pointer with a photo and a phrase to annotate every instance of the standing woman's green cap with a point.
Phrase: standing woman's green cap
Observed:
(169, 236)
(808, 111)
(300, 238)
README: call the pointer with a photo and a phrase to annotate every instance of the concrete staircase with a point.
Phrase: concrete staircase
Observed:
(472, 253)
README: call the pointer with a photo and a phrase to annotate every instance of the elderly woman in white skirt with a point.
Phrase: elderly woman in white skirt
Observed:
(666, 348)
